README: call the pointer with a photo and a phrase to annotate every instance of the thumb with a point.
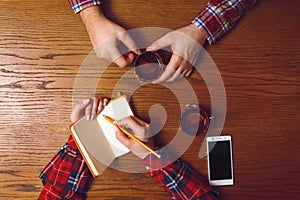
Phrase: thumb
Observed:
(82, 104)
(129, 42)
(78, 108)
(160, 43)
(117, 57)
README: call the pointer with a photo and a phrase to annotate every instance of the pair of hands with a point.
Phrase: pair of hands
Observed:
(90, 108)
(184, 48)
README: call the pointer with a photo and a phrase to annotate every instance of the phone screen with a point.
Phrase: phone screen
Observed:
(220, 160)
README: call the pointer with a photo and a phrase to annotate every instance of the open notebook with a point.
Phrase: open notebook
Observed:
(96, 138)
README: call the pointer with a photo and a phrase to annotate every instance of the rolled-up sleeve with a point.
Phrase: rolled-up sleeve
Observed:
(219, 16)
(179, 179)
(79, 5)
(66, 176)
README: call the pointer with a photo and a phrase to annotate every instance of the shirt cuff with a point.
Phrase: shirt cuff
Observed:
(79, 5)
(154, 164)
(71, 143)
(211, 24)
(67, 171)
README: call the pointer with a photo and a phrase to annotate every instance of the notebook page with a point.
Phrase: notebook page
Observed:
(93, 140)
(117, 109)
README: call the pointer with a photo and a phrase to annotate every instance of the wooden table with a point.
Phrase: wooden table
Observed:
(42, 45)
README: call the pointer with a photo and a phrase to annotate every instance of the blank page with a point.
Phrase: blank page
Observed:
(117, 109)
(92, 138)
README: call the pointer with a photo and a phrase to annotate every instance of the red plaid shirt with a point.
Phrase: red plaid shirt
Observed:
(66, 176)
(217, 18)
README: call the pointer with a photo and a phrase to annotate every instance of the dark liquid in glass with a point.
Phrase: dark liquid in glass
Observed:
(148, 66)
(194, 121)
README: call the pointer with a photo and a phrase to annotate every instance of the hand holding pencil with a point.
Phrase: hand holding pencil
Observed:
(136, 139)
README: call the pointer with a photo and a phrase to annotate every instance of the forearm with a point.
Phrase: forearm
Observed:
(91, 15)
(105, 32)
(94, 22)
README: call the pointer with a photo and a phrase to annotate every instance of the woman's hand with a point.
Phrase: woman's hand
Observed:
(139, 129)
(106, 36)
(89, 108)
(185, 43)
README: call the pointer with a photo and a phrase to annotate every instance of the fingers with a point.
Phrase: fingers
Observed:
(129, 43)
(101, 104)
(121, 60)
(105, 101)
(88, 111)
(176, 69)
(162, 42)
(114, 50)
(77, 111)
(139, 121)
(170, 69)
(88, 107)
(128, 122)
(116, 57)
(137, 126)
(175, 76)
(184, 70)
(188, 72)
(122, 137)
(95, 107)
(82, 105)
(131, 144)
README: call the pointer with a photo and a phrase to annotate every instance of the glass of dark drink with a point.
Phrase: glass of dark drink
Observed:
(148, 66)
(194, 120)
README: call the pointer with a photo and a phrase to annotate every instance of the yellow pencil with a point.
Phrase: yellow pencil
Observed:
(111, 120)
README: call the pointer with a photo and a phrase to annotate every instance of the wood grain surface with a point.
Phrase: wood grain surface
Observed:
(43, 43)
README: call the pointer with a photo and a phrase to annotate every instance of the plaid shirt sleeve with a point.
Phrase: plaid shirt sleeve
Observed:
(220, 16)
(178, 179)
(66, 176)
(79, 5)
(214, 20)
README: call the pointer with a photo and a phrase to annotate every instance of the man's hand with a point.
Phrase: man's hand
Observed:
(106, 36)
(185, 43)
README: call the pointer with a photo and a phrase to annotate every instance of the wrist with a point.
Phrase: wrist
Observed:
(198, 33)
(91, 15)
(94, 21)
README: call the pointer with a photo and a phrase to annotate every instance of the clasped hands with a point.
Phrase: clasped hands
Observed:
(90, 108)
(182, 42)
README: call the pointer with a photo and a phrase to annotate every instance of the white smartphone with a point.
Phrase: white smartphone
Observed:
(219, 160)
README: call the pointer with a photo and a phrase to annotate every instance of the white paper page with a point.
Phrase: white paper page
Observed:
(117, 109)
